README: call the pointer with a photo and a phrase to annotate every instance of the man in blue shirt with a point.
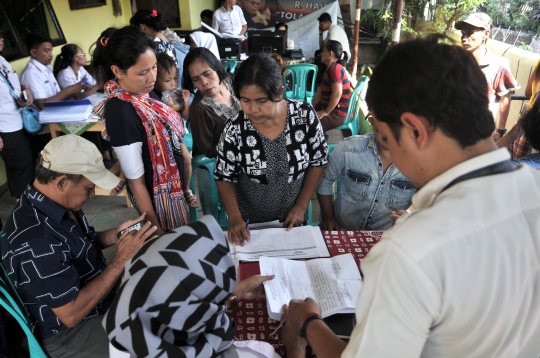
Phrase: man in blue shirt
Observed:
(53, 256)
(373, 191)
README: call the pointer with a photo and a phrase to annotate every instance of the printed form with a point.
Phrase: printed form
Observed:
(301, 242)
(334, 283)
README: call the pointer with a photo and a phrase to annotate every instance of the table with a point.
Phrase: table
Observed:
(251, 317)
(79, 128)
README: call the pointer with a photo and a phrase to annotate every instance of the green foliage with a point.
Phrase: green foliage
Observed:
(524, 46)
(519, 15)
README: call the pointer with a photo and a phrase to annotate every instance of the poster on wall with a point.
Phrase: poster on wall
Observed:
(261, 14)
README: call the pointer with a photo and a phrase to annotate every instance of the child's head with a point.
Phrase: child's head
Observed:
(167, 73)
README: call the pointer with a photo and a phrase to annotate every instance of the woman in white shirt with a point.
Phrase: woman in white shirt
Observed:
(69, 69)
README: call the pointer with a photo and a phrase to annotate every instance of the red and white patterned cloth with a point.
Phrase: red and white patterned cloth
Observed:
(251, 317)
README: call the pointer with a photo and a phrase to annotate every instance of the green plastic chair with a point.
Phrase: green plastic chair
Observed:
(353, 120)
(207, 165)
(230, 66)
(188, 138)
(299, 74)
(12, 303)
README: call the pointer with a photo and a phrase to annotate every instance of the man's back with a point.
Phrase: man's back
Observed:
(460, 277)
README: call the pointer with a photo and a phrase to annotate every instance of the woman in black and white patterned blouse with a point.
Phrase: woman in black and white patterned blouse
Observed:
(270, 155)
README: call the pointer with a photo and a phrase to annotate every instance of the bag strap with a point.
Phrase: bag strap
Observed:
(13, 94)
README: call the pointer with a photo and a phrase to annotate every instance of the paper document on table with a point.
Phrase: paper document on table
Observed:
(334, 283)
(299, 243)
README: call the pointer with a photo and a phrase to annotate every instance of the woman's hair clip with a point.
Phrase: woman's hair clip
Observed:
(104, 41)
(153, 13)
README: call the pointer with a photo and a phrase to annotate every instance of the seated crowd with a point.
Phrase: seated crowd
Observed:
(456, 277)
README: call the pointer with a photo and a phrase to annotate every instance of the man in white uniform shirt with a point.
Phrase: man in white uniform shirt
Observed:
(38, 74)
(229, 19)
(460, 276)
(335, 32)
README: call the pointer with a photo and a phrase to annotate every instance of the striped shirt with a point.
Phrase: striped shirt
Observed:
(336, 74)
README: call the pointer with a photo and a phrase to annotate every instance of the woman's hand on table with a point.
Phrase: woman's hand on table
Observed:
(295, 217)
(238, 232)
(329, 224)
(251, 288)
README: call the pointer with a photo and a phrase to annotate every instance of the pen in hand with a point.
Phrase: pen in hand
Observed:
(276, 332)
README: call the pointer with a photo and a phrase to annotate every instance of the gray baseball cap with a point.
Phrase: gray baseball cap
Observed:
(478, 19)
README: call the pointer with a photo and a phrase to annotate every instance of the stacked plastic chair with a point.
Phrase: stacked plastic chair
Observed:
(230, 66)
(354, 122)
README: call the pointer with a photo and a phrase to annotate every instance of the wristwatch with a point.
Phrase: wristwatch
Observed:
(501, 131)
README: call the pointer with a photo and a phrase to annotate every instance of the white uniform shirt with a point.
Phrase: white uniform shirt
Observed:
(459, 277)
(227, 22)
(10, 115)
(40, 79)
(336, 33)
(67, 77)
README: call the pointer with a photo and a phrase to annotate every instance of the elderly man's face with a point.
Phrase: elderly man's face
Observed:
(75, 195)
(473, 37)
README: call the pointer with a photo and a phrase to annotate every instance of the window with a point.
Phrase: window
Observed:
(27, 16)
(82, 4)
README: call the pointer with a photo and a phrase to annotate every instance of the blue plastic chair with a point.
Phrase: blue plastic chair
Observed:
(12, 303)
(299, 75)
(188, 138)
(355, 121)
(230, 66)
(206, 166)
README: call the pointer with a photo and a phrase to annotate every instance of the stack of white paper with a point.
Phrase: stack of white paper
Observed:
(65, 111)
(334, 283)
(299, 243)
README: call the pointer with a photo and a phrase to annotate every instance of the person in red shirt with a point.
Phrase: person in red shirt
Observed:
(332, 101)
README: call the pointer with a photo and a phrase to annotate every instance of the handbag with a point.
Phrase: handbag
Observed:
(30, 115)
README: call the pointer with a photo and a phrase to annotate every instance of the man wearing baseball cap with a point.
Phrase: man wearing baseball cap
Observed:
(53, 256)
(475, 30)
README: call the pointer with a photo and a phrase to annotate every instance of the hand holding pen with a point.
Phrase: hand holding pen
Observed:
(238, 231)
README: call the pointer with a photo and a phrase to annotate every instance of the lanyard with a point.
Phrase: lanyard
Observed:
(497, 168)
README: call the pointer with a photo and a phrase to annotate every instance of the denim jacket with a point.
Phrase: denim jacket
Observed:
(366, 196)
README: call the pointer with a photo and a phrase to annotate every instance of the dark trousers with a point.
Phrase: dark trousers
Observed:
(19, 159)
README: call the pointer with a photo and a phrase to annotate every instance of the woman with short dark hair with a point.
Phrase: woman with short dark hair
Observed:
(144, 132)
(214, 102)
(271, 155)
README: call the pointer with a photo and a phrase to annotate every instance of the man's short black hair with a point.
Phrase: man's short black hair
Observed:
(207, 13)
(325, 17)
(440, 82)
(34, 40)
(281, 24)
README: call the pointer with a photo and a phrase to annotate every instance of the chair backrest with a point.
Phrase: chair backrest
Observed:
(230, 66)
(217, 208)
(299, 88)
(12, 303)
(354, 102)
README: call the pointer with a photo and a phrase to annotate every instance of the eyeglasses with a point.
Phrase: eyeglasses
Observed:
(79, 54)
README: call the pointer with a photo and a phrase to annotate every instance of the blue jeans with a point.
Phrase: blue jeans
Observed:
(532, 160)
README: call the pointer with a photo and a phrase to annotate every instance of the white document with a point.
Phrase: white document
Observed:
(223, 35)
(334, 283)
(276, 224)
(299, 243)
(64, 111)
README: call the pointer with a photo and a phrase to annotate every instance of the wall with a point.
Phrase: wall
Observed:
(190, 11)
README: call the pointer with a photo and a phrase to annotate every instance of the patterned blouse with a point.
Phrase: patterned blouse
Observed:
(269, 173)
(222, 109)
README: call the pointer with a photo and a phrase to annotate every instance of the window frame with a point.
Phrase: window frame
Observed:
(22, 51)
(73, 4)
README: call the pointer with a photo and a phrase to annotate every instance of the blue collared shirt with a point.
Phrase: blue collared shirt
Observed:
(367, 196)
(49, 258)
